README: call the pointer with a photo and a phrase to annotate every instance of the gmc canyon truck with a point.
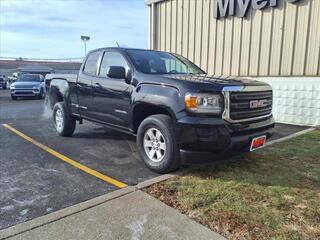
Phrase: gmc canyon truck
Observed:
(174, 108)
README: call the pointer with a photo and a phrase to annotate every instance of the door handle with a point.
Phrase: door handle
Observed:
(97, 84)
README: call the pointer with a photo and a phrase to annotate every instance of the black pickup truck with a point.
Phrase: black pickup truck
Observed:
(173, 107)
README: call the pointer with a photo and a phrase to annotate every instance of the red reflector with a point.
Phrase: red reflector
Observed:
(258, 142)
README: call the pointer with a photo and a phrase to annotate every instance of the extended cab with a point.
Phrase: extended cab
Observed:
(173, 107)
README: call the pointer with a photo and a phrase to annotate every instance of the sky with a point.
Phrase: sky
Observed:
(52, 28)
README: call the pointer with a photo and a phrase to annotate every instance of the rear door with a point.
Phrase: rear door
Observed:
(87, 75)
(111, 97)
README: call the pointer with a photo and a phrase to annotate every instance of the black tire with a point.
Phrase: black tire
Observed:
(171, 156)
(68, 122)
(13, 98)
(4, 86)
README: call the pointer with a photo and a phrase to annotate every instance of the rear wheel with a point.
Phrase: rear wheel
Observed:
(64, 123)
(157, 144)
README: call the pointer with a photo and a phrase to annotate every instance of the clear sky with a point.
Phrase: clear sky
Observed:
(52, 28)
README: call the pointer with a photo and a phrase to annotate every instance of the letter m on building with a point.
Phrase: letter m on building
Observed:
(221, 8)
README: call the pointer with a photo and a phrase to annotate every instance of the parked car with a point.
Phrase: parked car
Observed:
(14, 77)
(28, 85)
(3, 82)
(173, 107)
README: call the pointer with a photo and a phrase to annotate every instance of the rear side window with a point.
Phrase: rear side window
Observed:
(91, 64)
(112, 59)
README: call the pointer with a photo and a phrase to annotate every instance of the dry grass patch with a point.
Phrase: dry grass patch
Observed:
(273, 193)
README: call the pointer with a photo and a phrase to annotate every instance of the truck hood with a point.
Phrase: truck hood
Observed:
(205, 81)
(205, 78)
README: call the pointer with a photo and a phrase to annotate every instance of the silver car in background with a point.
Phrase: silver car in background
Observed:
(28, 85)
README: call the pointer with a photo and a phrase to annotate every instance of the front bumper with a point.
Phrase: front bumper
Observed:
(25, 92)
(209, 137)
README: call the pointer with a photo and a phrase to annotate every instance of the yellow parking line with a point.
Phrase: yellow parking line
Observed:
(68, 160)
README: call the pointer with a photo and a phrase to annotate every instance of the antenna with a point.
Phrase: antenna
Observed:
(117, 44)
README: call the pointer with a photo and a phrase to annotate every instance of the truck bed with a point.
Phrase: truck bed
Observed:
(68, 77)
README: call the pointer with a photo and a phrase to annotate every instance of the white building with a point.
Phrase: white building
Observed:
(277, 41)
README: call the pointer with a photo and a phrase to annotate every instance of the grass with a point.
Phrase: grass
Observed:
(273, 193)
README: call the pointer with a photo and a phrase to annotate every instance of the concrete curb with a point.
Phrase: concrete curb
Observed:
(55, 216)
(291, 136)
(160, 178)
(52, 217)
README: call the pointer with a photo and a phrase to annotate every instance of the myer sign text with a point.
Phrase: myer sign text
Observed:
(224, 8)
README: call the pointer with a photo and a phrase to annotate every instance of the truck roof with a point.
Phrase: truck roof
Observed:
(124, 49)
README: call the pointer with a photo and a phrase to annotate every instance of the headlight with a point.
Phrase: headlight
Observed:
(12, 87)
(204, 103)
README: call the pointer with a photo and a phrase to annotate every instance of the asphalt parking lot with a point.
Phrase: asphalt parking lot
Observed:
(35, 180)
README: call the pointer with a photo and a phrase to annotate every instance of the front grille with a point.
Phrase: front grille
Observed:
(24, 86)
(240, 105)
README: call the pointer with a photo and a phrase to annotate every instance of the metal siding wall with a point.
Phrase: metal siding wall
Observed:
(255, 45)
(288, 38)
(191, 30)
(219, 56)
(168, 25)
(245, 46)
(205, 35)
(281, 41)
(162, 26)
(276, 40)
(227, 52)
(266, 35)
(212, 43)
(198, 32)
(301, 39)
(313, 49)
(173, 26)
(185, 26)
(236, 46)
(179, 26)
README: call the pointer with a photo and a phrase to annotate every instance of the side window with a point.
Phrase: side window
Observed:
(91, 64)
(112, 59)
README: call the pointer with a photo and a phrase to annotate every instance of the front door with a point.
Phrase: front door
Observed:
(111, 97)
(86, 77)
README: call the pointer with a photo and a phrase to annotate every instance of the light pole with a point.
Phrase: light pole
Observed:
(85, 39)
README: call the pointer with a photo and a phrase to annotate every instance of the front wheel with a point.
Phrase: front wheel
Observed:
(157, 144)
(64, 123)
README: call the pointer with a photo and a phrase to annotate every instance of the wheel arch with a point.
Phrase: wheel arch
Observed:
(57, 91)
(143, 110)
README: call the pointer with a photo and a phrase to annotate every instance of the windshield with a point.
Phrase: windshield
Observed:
(28, 78)
(153, 62)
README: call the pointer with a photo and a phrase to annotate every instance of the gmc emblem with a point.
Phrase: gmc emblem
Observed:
(258, 103)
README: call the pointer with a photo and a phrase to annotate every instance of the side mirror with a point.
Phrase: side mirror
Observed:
(116, 72)
(129, 76)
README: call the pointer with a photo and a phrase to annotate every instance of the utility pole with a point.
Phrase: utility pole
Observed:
(85, 39)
